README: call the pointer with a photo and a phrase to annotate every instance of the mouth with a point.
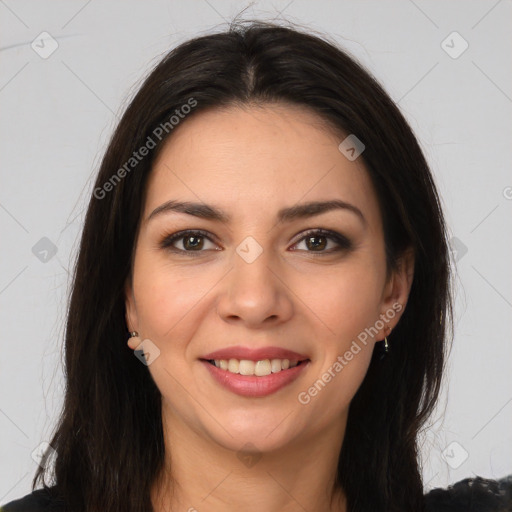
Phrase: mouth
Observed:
(259, 368)
(255, 372)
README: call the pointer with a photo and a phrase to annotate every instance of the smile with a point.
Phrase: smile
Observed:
(259, 368)
(245, 381)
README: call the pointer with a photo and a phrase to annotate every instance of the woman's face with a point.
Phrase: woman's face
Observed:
(256, 285)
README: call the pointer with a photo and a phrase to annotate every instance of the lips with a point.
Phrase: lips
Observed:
(252, 386)
(266, 383)
(252, 354)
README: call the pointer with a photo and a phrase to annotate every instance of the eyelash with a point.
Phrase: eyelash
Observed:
(342, 241)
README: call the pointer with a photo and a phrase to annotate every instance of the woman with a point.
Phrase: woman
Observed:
(266, 238)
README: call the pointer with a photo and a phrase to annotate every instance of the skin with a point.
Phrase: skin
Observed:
(291, 296)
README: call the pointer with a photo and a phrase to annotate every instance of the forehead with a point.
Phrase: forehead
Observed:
(257, 159)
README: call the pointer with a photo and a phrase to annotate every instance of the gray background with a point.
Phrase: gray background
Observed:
(57, 115)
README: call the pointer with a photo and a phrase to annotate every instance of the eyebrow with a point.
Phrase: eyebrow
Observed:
(299, 211)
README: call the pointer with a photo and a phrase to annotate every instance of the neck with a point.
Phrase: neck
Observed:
(206, 476)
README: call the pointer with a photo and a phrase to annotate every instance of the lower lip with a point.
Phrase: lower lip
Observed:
(252, 386)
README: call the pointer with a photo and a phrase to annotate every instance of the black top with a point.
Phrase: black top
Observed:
(469, 495)
(36, 501)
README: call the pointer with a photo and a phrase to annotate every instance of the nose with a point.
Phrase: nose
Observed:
(255, 293)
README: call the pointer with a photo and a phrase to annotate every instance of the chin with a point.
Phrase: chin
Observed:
(258, 432)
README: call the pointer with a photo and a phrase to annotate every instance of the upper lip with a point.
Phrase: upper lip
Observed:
(255, 354)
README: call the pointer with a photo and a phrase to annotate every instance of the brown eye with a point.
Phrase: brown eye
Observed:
(318, 240)
(193, 242)
(190, 242)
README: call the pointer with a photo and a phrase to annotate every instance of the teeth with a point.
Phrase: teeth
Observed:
(233, 365)
(262, 368)
(258, 368)
(246, 367)
(276, 365)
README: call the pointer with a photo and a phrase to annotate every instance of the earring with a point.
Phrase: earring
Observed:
(134, 340)
(384, 347)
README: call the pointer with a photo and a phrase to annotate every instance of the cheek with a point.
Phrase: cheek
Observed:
(345, 300)
(347, 305)
(167, 298)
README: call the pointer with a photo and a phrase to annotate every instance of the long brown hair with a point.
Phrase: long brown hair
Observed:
(109, 438)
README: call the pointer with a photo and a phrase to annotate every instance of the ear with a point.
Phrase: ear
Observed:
(131, 313)
(396, 292)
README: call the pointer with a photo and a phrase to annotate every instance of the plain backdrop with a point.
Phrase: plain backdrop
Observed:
(58, 111)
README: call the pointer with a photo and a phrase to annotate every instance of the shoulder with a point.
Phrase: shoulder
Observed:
(472, 495)
(40, 500)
